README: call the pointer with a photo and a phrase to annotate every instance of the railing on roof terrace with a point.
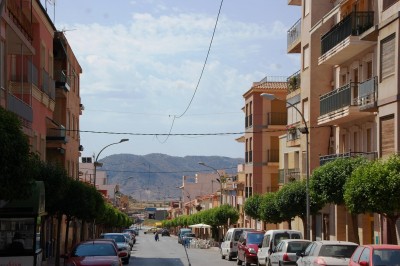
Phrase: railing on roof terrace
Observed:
(294, 33)
(294, 81)
(273, 79)
(354, 24)
(328, 158)
(337, 99)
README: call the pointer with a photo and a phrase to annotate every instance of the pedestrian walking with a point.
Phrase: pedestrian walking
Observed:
(156, 237)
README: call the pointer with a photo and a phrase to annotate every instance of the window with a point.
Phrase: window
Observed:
(306, 56)
(388, 56)
(369, 69)
(388, 3)
(357, 253)
(365, 255)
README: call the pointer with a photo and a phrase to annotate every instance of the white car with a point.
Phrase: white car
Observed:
(229, 243)
(327, 253)
(285, 253)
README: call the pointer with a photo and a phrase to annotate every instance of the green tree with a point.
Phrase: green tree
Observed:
(328, 181)
(269, 211)
(15, 178)
(374, 188)
(252, 206)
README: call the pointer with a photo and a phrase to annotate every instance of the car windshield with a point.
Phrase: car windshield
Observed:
(343, 251)
(255, 238)
(117, 238)
(294, 247)
(95, 249)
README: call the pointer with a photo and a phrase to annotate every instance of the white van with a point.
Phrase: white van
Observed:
(271, 240)
(229, 243)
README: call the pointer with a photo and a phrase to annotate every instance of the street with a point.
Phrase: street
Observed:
(167, 252)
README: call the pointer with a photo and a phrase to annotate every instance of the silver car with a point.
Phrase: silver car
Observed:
(327, 253)
(285, 253)
(122, 243)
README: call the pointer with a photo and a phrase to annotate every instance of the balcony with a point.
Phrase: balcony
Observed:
(248, 121)
(56, 132)
(25, 72)
(48, 85)
(368, 95)
(272, 156)
(294, 82)
(276, 119)
(294, 38)
(340, 106)
(343, 41)
(19, 107)
(331, 157)
(62, 80)
(288, 175)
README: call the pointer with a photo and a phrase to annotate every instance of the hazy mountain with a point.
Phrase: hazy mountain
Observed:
(157, 176)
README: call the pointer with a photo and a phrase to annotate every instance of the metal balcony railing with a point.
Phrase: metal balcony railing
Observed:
(293, 82)
(294, 34)
(367, 93)
(328, 158)
(353, 25)
(288, 175)
(292, 134)
(337, 99)
(276, 118)
(19, 107)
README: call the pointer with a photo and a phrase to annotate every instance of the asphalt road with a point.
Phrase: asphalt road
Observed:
(167, 252)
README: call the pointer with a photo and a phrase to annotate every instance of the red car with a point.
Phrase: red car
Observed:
(94, 252)
(248, 247)
(375, 255)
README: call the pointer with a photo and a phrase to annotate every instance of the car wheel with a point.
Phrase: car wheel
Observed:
(126, 261)
(230, 258)
(222, 256)
(268, 262)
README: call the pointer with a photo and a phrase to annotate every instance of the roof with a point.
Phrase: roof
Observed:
(267, 86)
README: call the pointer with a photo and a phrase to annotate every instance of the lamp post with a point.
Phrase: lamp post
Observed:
(219, 180)
(305, 131)
(96, 163)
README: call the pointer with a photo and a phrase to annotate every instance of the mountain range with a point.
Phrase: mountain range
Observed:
(156, 176)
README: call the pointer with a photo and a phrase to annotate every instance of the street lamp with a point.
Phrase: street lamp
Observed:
(96, 163)
(219, 180)
(305, 131)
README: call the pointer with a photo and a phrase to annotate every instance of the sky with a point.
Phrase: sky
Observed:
(150, 75)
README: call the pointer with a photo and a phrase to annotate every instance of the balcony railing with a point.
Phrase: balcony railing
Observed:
(293, 34)
(288, 175)
(293, 82)
(292, 135)
(275, 118)
(368, 94)
(48, 85)
(62, 80)
(272, 155)
(353, 25)
(328, 158)
(56, 133)
(337, 99)
(19, 107)
(248, 121)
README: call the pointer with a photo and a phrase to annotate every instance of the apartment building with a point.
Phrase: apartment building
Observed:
(265, 121)
(348, 96)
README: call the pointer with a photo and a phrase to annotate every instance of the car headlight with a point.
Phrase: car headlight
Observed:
(252, 251)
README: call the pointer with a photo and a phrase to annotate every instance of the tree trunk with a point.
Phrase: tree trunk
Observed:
(289, 224)
(66, 234)
(58, 243)
(354, 221)
(83, 230)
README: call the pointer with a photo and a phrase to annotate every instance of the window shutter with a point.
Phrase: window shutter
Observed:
(387, 56)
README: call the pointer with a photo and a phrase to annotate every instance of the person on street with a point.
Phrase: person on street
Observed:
(156, 237)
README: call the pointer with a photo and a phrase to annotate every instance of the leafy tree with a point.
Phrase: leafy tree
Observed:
(269, 211)
(15, 178)
(328, 182)
(252, 206)
(374, 188)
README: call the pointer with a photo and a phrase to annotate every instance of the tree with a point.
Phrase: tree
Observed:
(15, 178)
(374, 188)
(269, 211)
(252, 206)
(328, 181)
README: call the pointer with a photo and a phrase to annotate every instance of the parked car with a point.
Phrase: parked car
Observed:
(165, 232)
(122, 242)
(327, 253)
(181, 232)
(229, 243)
(374, 255)
(271, 240)
(132, 231)
(152, 230)
(248, 247)
(131, 238)
(285, 253)
(93, 252)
